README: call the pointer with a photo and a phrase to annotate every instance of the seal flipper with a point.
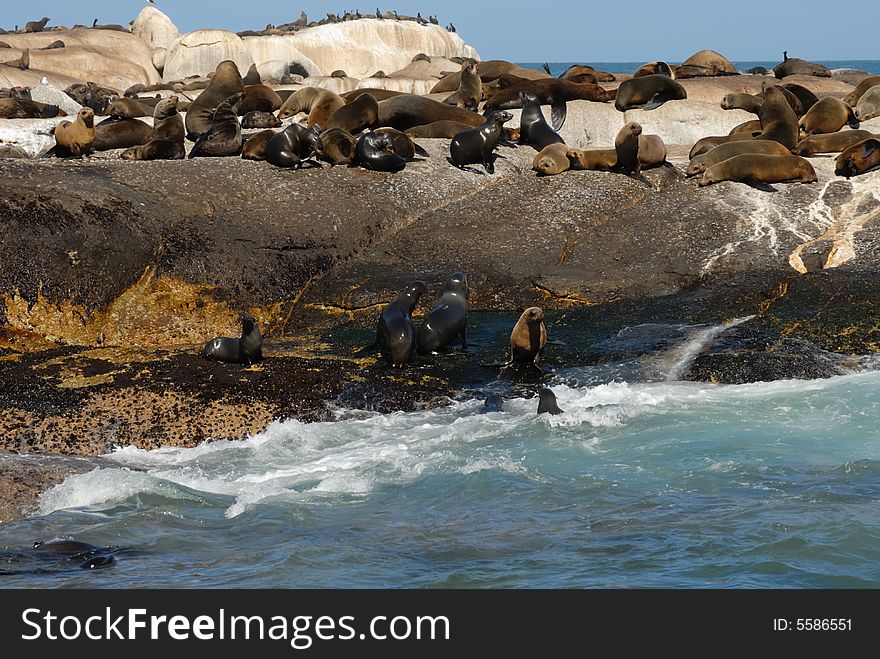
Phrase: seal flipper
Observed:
(420, 151)
(654, 102)
(558, 112)
(546, 67)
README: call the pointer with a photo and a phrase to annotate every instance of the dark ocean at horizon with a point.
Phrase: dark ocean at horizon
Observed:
(868, 66)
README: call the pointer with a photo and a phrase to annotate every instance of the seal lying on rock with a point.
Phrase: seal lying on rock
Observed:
(830, 142)
(859, 158)
(760, 168)
(255, 147)
(319, 104)
(790, 66)
(722, 152)
(647, 92)
(477, 145)
(553, 92)
(336, 146)
(827, 116)
(246, 349)
(291, 146)
(376, 151)
(447, 321)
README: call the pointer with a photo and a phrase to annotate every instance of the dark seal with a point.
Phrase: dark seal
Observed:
(223, 138)
(547, 402)
(477, 146)
(375, 151)
(246, 349)
(292, 146)
(395, 331)
(448, 319)
(533, 128)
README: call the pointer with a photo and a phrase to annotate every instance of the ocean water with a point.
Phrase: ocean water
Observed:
(643, 481)
(556, 68)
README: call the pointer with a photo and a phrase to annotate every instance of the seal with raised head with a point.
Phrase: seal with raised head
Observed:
(438, 129)
(225, 82)
(357, 115)
(493, 403)
(807, 98)
(336, 146)
(852, 99)
(22, 62)
(626, 145)
(120, 133)
(778, 121)
(470, 90)
(246, 349)
(447, 321)
(404, 112)
(318, 104)
(36, 26)
(868, 106)
(490, 70)
(553, 92)
(255, 147)
(533, 128)
(654, 68)
(223, 138)
(477, 145)
(167, 122)
(552, 160)
(254, 120)
(376, 152)
(722, 152)
(395, 330)
(648, 92)
(252, 77)
(827, 116)
(760, 168)
(76, 139)
(830, 142)
(747, 102)
(291, 146)
(547, 402)
(858, 159)
(528, 338)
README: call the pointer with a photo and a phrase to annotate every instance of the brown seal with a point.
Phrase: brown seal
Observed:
(255, 147)
(602, 160)
(793, 66)
(339, 73)
(155, 150)
(828, 116)
(167, 122)
(778, 121)
(852, 99)
(652, 151)
(830, 142)
(489, 70)
(722, 152)
(753, 126)
(553, 92)
(868, 106)
(470, 90)
(54, 45)
(23, 108)
(252, 77)
(336, 146)
(22, 62)
(378, 94)
(577, 70)
(861, 157)
(807, 98)
(648, 92)
(76, 139)
(746, 102)
(254, 120)
(402, 143)
(36, 26)
(704, 144)
(705, 63)
(552, 160)
(404, 112)
(654, 68)
(438, 129)
(225, 82)
(223, 138)
(319, 104)
(528, 338)
(626, 145)
(361, 113)
(259, 98)
(760, 168)
(120, 133)
(122, 108)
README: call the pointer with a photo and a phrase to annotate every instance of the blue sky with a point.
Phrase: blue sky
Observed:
(536, 31)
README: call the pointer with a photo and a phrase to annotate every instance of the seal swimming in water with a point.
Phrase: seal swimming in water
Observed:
(395, 330)
(648, 92)
(858, 159)
(760, 168)
(76, 139)
(493, 403)
(547, 402)
(223, 138)
(247, 349)
(291, 146)
(533, 128)
(447, 321)
(225, 82)
(477, 145)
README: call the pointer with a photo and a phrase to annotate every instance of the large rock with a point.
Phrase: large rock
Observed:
(33, 136)
(199, 53)
(154, 28)
(49, 93)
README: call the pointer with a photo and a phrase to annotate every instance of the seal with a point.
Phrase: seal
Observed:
(360, 114)
(470, 90)
(722, 152)
(858, 159)
(790, 66)
(477, 145)
(120, 133)
(807, 98)
(292, 146)
(654, 68)
(255, 147)
(225, 82)
(246, 349)
(259, 98)
(76, 139)
(378, 94)
(253, 120)
(533, 128)
(493, 403)
(868, 106)
(706, 63)
(319, 104)
(778, 121)
(552, 160)
(648, 92)
(602, 160)
(404, 112)
(528, 338)
(22, 62)
(375, 151)
(652, 152)
(36, 26)
(760, 168)
(753, 126)
(23, 108)
(746, 102)
(223, 138)
(490, 70)
(447, 321)
(852, 99)
(395, 331)
(830, 142)
(122, 107)
(553, 92)
(827, 116)
(156, 150)
(252, 77)
(402, 143)
(576, 70)
(547, 402)
(626, 145)
(438, 129)
(336, 146)
(91, 95)
(167, 122)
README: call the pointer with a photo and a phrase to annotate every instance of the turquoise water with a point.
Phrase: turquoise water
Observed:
(636, 484)
(868, 66)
